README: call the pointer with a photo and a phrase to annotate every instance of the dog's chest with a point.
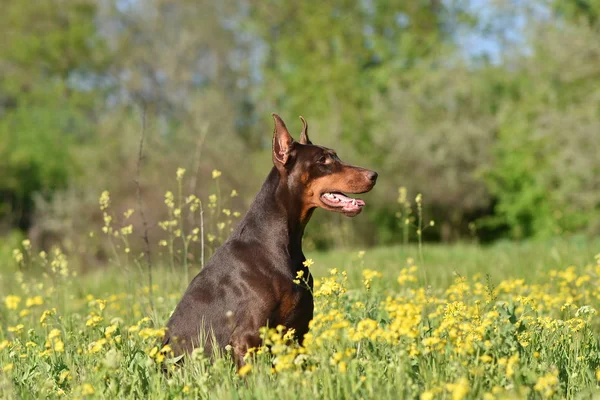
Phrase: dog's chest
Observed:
(293, 304)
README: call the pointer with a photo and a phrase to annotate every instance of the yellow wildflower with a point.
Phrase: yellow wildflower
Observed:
(547, 384)
(96, 346)
(45, 316)
(93, 320)
(108, 332)
(16, 329)
(510, 365)
(459, 389)
(54, 333)
(34, 301)
(87, 389)
(66, 374)
(12, 302)
(59, 346)
(244, 370)
(486, 358)
(104, 200)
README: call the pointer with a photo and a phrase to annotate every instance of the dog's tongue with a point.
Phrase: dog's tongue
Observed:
(341, 200)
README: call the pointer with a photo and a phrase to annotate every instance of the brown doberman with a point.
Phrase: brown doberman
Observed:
(248, 282)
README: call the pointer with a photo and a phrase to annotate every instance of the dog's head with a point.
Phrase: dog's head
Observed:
(323, 179)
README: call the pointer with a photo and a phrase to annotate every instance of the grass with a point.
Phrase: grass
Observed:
(461, 325)
(528, 260)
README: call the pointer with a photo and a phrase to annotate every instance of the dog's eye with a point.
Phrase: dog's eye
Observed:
(323, 159)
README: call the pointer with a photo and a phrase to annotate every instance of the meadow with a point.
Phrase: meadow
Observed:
(465, 321)
(486, 113)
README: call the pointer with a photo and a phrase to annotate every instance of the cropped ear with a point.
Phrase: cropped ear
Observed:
(304, 135)
(282, 142)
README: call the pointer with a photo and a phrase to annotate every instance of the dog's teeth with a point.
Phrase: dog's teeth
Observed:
(353, 202)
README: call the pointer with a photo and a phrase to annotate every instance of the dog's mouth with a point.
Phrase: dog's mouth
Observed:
(342, 203)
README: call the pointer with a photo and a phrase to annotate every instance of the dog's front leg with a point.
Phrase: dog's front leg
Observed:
(243, 339)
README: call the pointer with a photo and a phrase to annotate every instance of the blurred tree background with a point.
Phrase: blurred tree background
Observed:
(491, 109)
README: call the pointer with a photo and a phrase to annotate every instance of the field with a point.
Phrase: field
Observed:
(506, 321)
(134, 136)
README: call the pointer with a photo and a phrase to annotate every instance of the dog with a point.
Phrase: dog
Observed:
(248, 282)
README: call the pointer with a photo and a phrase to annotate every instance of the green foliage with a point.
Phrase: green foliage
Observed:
(545, 169)
(48, 66)
(578, 10)
(330, 64)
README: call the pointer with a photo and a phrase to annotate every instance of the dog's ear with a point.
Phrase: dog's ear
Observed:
(304, 135)
(282, 142)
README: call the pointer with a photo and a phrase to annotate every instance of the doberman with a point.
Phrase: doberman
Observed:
(248, 283)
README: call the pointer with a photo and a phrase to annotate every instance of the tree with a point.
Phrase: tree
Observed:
(546, 172)
(51, 60)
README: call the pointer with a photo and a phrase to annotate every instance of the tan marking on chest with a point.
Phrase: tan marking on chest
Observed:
(287, 306)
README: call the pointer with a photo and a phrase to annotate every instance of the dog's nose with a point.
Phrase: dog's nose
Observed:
(372, 175)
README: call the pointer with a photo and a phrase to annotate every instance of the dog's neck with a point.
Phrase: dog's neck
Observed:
(275, 218)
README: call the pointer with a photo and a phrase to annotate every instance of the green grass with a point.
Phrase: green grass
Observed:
(460, 326)
(441, 263)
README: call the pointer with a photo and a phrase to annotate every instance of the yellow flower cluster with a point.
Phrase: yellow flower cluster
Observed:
(407, 275)
(332, 285)
(54, 341)
(473, 328)
(12, 302)
(368, 276)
